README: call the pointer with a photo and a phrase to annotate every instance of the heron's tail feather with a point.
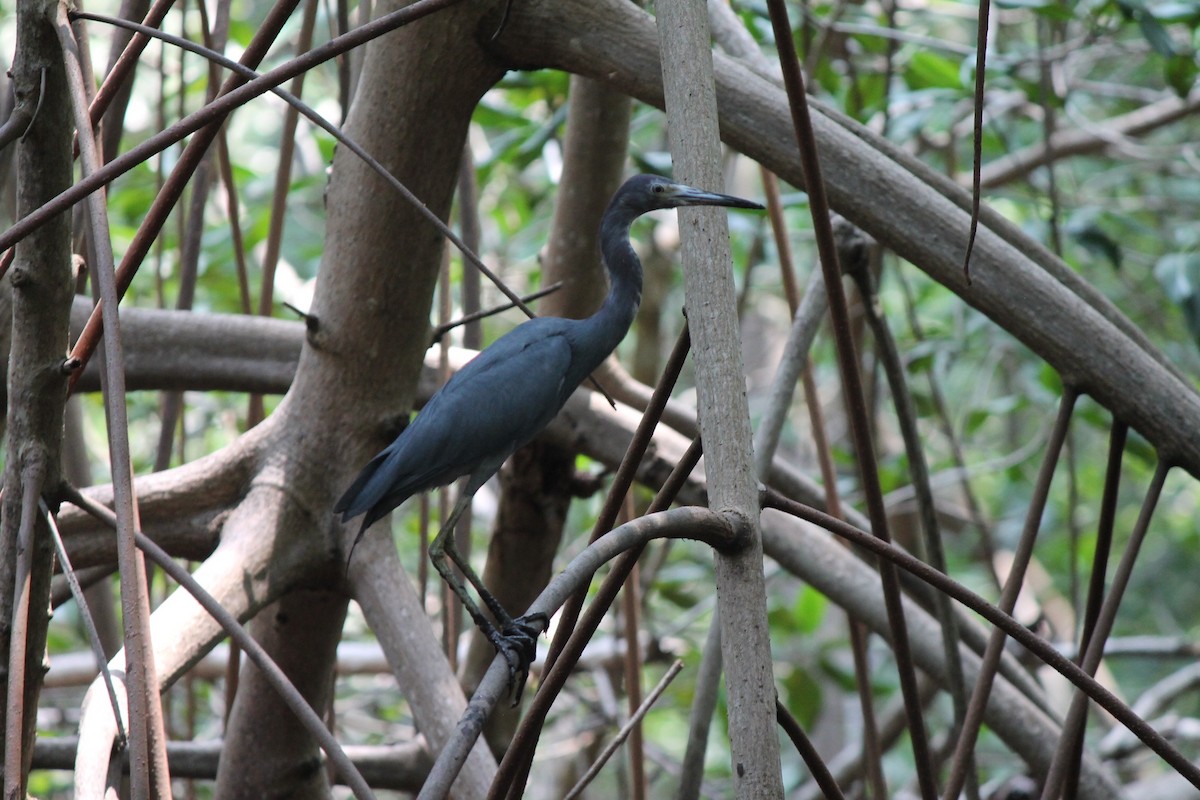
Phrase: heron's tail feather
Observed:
(361, 496)
(366, 523)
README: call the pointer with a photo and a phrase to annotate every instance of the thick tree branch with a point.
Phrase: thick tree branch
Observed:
(921, 216)
(41, 297)
(402, 767)
(182, 508)
(180, 350)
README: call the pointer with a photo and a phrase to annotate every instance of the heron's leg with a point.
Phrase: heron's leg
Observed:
(443, 547)
(516, 639)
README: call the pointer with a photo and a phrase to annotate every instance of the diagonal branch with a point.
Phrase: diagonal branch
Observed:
(147, 739)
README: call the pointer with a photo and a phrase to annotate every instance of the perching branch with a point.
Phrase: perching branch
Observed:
(683, 523)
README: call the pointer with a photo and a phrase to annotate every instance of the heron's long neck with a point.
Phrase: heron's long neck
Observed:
(608, 326)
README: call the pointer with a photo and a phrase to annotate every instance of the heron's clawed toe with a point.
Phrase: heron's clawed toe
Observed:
(517, 642)
(531, 626)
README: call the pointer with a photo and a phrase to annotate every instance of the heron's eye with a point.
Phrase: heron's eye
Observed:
(659, 188)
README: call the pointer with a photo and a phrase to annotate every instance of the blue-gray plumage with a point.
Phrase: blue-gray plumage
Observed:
(508, 393)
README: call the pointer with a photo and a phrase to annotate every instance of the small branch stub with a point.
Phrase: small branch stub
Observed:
(741, 528)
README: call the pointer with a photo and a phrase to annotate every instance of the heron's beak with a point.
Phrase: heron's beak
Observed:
(688, 196)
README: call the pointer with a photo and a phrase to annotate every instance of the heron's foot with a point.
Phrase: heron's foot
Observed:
(517, 642)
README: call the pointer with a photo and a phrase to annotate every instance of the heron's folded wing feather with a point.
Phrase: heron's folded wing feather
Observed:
(498, 401)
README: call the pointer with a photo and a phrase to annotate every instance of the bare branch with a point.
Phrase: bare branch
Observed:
(397, 617)
(634, 719)
(681, 523)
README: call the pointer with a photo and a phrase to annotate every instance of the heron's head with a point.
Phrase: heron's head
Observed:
(651, 192)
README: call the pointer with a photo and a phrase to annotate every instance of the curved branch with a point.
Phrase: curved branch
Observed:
(689, 522)
(269, 544)
(272, 674)
(1083, 141)
(921, 216)
(182, 509)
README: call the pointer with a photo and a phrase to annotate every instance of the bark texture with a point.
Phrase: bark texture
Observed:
(42, 284)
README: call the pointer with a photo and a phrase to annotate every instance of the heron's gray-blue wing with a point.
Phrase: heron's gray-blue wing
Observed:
(498, 401)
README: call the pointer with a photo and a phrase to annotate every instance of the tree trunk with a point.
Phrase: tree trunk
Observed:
(271, 759)
(357, 374)
(41, 304)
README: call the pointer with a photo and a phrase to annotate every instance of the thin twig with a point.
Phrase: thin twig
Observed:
(1100, 558)
(38, 107)
(14, 735)
(237, 241)
(1008, 599)
(938, 397)
(441, 330)
(796, 365)
(126, 62)
(977, 140)
(857, 266)
(631, 625)
(89, 623)
(148, 761)
(626, 729)
(853, 386)
(1004, 623)
(1077, 715)
(804, 746)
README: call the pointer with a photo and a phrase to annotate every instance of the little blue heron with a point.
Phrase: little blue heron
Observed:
(505, 396)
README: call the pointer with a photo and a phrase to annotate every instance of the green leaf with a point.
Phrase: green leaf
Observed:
(996, 408)
(1180, 73)
(1049, 379)
(1085, 229)
(1156, 35)
(802, 696)
(930, 71)
(1178, 274)
(809, 609)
